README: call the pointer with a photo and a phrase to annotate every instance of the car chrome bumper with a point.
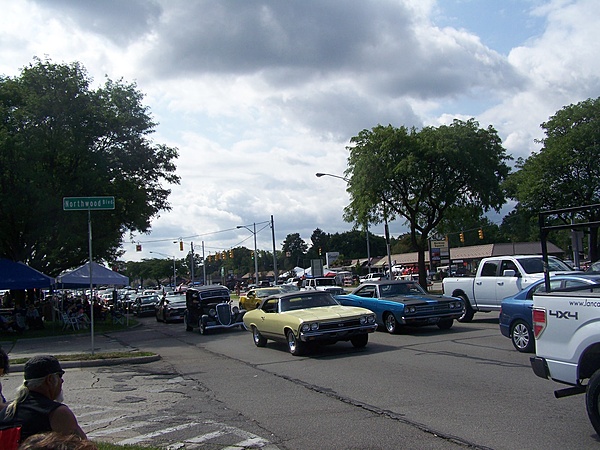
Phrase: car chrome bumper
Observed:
(408, 320)
(337, 334)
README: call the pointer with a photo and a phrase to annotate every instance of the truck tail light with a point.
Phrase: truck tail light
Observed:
(539, 321)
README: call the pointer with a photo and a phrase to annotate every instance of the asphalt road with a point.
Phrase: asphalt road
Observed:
(425, 389)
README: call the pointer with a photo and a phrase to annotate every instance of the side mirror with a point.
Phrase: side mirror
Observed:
(509, 273)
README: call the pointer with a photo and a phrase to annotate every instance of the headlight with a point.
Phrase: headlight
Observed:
(309, 327)
(410, 309)
(212, 312)
(363, 320)
(371, 319)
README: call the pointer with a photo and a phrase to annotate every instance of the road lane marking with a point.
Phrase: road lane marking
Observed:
(154, 434)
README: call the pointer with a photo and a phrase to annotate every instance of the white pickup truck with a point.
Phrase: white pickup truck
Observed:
(327, 284)
(498, 277)
(566, 325)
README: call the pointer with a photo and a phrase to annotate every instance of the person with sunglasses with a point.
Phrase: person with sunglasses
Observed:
(37, 407)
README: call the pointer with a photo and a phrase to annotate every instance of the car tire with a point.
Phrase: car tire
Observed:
(360, 341)
(521, 336)
(259, 339)
(295, 346)
(445, 324)
(202, 325)
(469, 313)
(187, 325)
(390, 323)
(592, 400)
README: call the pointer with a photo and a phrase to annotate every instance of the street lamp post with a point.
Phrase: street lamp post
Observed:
(253, 231)
(174, 269)
(319, 175)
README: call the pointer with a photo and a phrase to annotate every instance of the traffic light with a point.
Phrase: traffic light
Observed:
(480, 233)
(231, 254)
(252, 254)
(138, 247)
(180, 246)
(224, 255)
(462, 237)
(319, 251)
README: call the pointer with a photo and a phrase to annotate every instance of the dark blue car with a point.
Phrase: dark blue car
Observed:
(515, 311)
(399, 303)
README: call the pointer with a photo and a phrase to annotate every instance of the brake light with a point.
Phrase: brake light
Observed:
(539, 321)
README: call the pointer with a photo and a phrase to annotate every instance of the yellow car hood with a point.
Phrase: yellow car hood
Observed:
(327, 313)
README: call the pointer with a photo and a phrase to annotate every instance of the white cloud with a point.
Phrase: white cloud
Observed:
(260, 95)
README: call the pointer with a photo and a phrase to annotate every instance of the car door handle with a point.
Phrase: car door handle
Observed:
(500, 283)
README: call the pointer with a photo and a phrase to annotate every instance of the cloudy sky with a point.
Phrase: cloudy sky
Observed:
(259, 95)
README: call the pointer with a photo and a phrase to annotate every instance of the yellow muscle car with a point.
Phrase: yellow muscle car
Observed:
(303, 317)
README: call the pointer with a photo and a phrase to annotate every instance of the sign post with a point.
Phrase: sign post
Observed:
(88, 204)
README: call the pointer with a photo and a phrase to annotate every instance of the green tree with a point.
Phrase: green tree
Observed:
(59, 138)
(294, 247)
(565, 172)
(420, 175)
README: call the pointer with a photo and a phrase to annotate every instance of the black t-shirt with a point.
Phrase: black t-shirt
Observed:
(33, 415)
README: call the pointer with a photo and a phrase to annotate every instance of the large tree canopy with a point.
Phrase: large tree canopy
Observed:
(421, 175)
(59, 138)
(566, 171)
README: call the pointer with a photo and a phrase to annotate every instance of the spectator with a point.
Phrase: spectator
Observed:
(8, 325)
(33, 318)
(37, 407)
(56, 441)
(4, 368)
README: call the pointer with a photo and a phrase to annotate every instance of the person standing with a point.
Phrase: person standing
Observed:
(37, 407)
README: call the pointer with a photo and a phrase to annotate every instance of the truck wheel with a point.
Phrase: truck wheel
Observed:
(521, 336)
(592, 400)
(469, 313)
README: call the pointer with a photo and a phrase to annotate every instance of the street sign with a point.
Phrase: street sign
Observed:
(88, 203)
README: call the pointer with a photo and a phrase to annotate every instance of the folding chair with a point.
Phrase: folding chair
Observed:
(69, 322)
(118, 318)
(9, 438)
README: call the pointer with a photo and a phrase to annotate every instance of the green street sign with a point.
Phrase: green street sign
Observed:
(88, 203)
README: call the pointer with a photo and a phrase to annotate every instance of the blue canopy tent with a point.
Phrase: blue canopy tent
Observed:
(17, 275)
(101, 276)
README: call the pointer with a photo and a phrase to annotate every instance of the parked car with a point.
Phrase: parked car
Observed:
(303, 317)
(515, 318)
(171, 308)
(373, 276)
(253, 297)
(145, 305)
(398, 303)
(209, 307)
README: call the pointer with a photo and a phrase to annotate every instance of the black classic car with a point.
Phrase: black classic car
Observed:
(209, 307)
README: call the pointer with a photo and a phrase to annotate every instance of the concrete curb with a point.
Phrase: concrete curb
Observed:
(97, 362)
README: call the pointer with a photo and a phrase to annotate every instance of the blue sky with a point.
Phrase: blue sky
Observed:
(259, 95)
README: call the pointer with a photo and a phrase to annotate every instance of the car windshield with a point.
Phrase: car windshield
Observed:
(395, 289)
(262, 293)
(535, 265)
(177, 303)
(151, 299)
(293, 303)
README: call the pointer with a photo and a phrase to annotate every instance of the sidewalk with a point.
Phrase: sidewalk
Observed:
(71, 344)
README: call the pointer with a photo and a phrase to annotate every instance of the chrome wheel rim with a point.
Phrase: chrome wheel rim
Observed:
(292, 344)
(521, 336)
(390, 323)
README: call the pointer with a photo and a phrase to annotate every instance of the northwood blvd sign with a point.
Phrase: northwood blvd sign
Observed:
(88, 203)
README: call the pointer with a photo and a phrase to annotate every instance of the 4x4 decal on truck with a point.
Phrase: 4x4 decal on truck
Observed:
(564, 314)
